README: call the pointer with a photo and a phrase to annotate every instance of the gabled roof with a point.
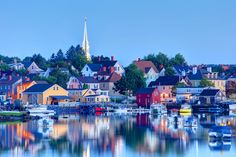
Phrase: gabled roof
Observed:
(209, 92)
(95, 67)
(27, 64)
(113, 77)
(197, 76)
(87, 79)
(145, 66)
(180, 68)
(166, 81)
(145, 91)
(38, 88)
(107, 64)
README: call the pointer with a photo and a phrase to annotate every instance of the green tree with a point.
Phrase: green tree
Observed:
(206, 83)
(133, 80)
(4, 67)
(79, 62)
(169, 71)
(40, 61)
(178, 60)
(158, 60)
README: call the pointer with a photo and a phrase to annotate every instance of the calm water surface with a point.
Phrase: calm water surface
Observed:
(116, 135)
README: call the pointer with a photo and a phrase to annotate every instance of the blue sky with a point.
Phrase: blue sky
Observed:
(204, 31)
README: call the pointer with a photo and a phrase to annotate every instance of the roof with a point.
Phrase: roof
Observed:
(180, 68)
(209, 92)
(197, 76)
(39, 88)
(87, 79)
(113, 77)
(6, 80)
(107, 64)
(145, 91)
(166, 81)
(145, 66)
(27, 64)
(94, 67)
(41, 82)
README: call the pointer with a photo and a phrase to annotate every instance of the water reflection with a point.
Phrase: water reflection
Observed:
(142, 135)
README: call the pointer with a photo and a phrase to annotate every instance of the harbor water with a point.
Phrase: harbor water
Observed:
(115, 135)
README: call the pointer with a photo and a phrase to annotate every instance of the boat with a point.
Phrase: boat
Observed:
(40, 110)
(121, 110)
(185, 109)
(158, 109)
(220, 132)
(219, 145)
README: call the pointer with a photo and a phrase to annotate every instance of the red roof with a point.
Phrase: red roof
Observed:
(144, 65)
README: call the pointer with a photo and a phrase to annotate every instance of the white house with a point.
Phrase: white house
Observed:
(91, 69)
(32, 68)
(188, 94)
(108, 66)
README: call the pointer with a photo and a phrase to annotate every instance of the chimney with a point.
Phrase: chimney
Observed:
(112, 58)
(194, 70)
(104, 68)
(112, 69)
(209, 69)
(9, 77)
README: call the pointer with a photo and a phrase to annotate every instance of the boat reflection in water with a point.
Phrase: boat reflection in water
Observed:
(118, 135)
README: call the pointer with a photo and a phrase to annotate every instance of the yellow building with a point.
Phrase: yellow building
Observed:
(219, 84)
(97, 99)
(45, 94)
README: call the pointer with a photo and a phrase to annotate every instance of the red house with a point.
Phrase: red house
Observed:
(147, 96)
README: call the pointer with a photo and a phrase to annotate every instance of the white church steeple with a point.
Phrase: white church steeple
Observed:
(85, 44)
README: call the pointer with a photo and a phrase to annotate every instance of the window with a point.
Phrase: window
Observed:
(97, 99)
(163, 87)
(86, 68)
(118, 68)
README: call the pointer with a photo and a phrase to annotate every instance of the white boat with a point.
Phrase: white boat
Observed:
(40, 110)
(121, 110)
(158, 109)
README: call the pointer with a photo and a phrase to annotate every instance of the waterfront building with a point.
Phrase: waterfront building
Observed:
(188, 94)
(149, 70)
(45, 94)
(165, 85)
(147, 96)
(21, 87)
(211, 96)
(8, 85)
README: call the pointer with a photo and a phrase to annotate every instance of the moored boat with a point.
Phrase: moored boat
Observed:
(185, 109)
(158, 109)
(40, 110)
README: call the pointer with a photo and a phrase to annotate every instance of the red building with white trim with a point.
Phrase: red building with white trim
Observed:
(147, 96)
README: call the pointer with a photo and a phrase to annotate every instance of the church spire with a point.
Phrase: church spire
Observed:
(85, 44)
